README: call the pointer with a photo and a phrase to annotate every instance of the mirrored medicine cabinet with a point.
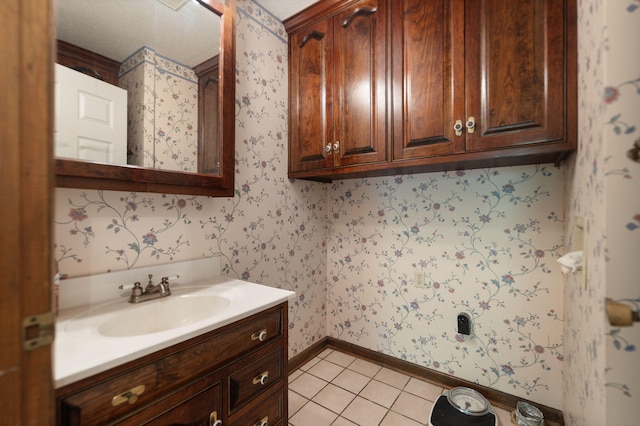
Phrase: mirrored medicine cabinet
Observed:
(176, 61)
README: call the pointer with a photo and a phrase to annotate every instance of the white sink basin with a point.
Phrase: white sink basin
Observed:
(165, 314)
(123, 319)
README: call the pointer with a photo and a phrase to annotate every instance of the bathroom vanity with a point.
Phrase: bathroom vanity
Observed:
(226, 369)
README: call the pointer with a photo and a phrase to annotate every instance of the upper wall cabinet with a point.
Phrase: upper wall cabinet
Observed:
(337, 78)
(469, 84)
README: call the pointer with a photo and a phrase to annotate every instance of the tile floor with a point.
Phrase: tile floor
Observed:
(338, 389)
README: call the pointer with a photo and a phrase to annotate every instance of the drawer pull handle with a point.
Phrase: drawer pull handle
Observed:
(262, 422)
(213, 419)
(261, 378)
(130, 396)
(260, 335)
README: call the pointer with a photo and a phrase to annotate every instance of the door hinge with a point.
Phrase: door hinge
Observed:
(38, 330)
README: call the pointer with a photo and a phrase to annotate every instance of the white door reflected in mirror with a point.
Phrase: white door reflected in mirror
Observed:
(90, 118)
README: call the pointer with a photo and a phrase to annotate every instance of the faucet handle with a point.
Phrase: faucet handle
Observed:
(165, 280)
(135, 287)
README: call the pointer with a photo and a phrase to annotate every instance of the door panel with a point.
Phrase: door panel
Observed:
(311, 126)
(26, 217)
(360, 69)
(428, 77)
(514, 82)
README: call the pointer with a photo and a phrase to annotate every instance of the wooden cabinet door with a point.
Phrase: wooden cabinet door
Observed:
(428, 77)
(515, 72)
(311, 97)
(360, 84)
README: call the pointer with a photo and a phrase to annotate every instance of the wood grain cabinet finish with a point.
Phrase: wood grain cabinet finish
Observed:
(337, 88)
(207, 378)
(504, 72)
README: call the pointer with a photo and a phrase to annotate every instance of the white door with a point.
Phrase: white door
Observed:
(90, 118)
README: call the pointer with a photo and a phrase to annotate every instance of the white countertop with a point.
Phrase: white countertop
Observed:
(80, 351)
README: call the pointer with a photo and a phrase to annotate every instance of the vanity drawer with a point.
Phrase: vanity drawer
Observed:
(195, 404)
(253, 379)
(91, 401)
(251, 335)
(269, 407)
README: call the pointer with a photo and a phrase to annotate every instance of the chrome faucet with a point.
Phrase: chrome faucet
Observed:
(150, 292)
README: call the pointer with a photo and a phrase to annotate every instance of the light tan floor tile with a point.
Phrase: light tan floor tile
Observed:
(294, 375)
(351, 381)
(307, 365)
(334, 398)
(411, 406)
(364, 412)
(392, 378)
(380, 393)
(307, 385)
(423, 389)
(367, 368)
(341, 421)
(313, 414)
(325, 370)
(395, 419)
(340, 358)
(325, 353)
(296, 402)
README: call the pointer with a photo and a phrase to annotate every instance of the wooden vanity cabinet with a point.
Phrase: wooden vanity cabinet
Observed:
(237, 375)
(503, 71)
(337, 98)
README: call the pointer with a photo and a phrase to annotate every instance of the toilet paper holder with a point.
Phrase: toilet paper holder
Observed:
(621, 315)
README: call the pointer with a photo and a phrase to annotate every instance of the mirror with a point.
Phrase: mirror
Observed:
(180, 95)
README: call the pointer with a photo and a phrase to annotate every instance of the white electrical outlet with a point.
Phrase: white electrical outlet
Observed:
(418, 279)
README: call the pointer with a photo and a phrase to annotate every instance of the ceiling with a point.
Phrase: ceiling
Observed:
(117, 28)
(284, 9)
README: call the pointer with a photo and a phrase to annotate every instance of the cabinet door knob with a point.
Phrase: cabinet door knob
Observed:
(259, 335)
(262, 422)
(328, 147)
(458, 127)
(261, 378)
(471, 124)
(213, 419)
(336, 146)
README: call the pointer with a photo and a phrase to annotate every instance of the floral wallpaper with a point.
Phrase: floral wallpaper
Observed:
(601, 384)
(485, 241)
(162, 113)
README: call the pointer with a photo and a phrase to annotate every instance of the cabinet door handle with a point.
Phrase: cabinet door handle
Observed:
(261, 378)
(213, 419)
(328, 147)
(359, 11)
(336, 146)
(130, 396)
(315, 35)
(262, 422)
(471, 124)
(260, 335)
(458, 127)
